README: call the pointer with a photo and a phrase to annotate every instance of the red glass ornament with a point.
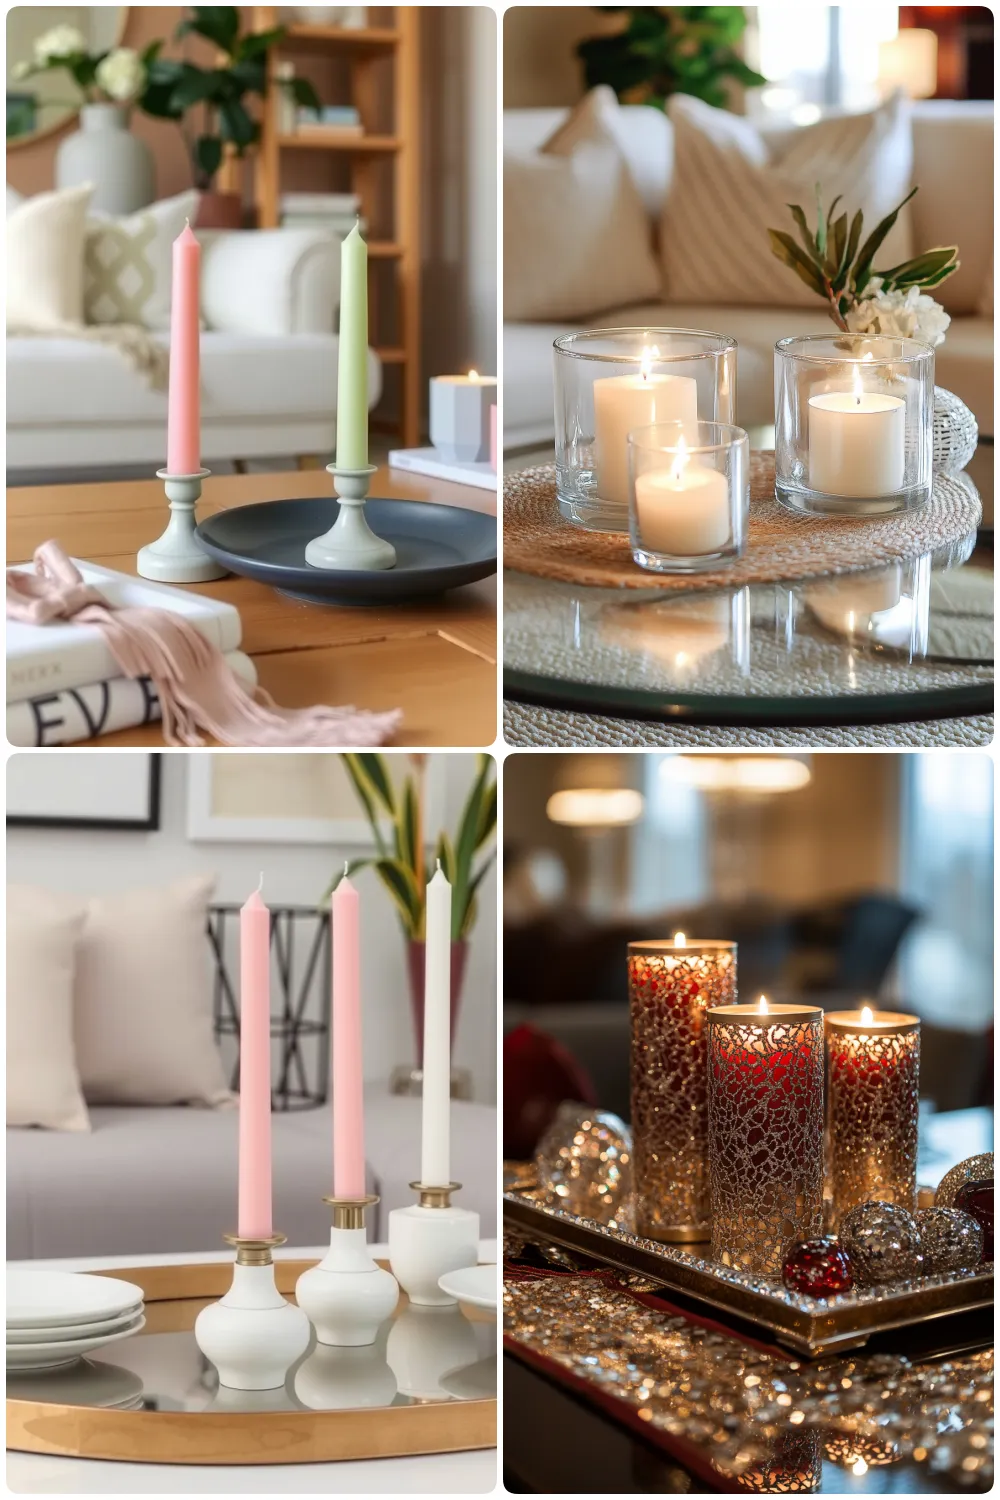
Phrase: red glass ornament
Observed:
(539, 1074)
(818, 1268)
(976, 1198)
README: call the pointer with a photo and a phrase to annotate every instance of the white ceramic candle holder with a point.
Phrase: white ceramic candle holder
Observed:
(178, 556)
(252, 1336)
(347, 1296)
(429, 1238)
(350, 543)
(460, 416)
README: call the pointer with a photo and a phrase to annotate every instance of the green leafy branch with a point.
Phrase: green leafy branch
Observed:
(670, 49)
(834, 262)
(395, 815)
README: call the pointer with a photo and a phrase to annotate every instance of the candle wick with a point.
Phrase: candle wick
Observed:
(439, 864)
(347, 868)
(260, 883)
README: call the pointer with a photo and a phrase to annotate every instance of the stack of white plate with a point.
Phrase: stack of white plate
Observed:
(55, 1317)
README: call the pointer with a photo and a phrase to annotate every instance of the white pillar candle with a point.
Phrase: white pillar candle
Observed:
(857, 442)
(434, 1154)
(683, 511)
(624, 402)
(460, 408)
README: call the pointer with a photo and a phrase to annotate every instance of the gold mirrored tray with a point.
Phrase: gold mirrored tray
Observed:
(427, 1385)
(805, 1324)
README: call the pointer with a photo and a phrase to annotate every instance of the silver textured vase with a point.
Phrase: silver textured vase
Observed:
(105, 152)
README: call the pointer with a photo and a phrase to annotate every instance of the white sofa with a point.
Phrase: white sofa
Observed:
(268, 370)
(953, 163)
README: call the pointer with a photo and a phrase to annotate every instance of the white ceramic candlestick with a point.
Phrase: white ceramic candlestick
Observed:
(178, 556)
(252, 1336)
(429, 1238)
(350, 543)
(347, 1296)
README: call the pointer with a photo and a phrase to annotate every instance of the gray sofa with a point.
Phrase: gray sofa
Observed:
(164, 1180)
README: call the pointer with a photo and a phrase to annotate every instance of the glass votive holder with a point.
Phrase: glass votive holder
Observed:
(689, 495)
(884, 609)
(608, 381)
(854, 419)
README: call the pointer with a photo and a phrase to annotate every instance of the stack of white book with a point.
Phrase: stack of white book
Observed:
(63, 683)
(337, 212)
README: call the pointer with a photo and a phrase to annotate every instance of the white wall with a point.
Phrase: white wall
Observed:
(86, 860)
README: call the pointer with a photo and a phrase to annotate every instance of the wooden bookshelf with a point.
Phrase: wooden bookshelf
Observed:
(382, 66)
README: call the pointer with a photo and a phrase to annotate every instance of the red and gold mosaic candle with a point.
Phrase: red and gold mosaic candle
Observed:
(765, 1131)
(671, 987)
(873, 1084)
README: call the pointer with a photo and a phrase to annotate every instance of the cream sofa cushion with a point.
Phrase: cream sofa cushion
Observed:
(45, 259)
(731, 183)
(43, 1084)
(576, 237)
(143, 999)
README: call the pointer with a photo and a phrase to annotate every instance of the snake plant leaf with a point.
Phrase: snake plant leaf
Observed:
(376, 770)
(366, 796)
(399, 881)
(787, 251)
(465, 843)
(862, 273)
(487, 816)
(408, 828)
(444, 855)
(937, 263)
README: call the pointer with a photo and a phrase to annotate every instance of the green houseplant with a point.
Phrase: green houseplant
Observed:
(220, 95)
(396, 814)
(670, 49)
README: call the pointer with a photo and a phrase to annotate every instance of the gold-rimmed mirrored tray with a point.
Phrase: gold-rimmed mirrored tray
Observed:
(427, 1385)
(805, 1324)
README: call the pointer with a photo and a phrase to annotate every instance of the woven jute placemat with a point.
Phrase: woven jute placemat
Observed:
(781, 546)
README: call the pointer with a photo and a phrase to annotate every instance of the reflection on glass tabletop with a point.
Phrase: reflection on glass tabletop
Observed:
(911, 638)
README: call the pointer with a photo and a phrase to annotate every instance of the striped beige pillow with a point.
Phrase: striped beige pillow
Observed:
(732, 182)
(576, 237)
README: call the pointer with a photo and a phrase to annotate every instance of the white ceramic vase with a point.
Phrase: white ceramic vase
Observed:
(105, 152)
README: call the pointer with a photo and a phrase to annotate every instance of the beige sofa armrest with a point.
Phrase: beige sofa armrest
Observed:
(270, 281)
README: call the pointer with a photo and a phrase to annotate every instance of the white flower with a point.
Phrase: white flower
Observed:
(120, 75)
(61, 41)
(22, 69)
(911, 315)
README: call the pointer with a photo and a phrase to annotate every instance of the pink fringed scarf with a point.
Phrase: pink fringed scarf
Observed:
(196, 689)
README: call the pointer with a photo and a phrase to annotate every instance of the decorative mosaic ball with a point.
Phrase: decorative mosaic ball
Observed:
(584, 1162)
(973, 1169)
(883, 1242)
(818, 1268)
(976, 1198)
(949, 1240)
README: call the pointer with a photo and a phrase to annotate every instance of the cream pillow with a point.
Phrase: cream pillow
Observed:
(43, 1085)
(128, 263)
(45, 260)
(143, 999)
(576, 237)
(731, 183)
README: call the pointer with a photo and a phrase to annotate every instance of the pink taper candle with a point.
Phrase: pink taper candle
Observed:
(348, 1093)
(184, 401)
(255, 1070)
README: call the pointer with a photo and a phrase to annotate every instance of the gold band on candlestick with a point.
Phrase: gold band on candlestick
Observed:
(671, 986)
(873, 1089)
(431, 1196)
(254, 1252)
(765, 1132)
(349, 1213)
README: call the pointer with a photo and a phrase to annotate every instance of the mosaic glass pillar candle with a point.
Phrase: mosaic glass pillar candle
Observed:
(671, 986)
(765, 1131)
(873, 1080)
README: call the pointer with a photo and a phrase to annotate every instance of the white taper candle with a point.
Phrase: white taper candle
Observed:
(434, 1158)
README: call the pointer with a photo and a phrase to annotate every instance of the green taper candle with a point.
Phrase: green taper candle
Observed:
(352, 368)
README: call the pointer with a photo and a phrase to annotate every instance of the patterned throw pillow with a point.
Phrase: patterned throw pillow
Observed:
(127, 263)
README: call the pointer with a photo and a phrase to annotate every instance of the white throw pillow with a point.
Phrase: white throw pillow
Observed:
(143, 999)
(576, 237)
(128, 263)
(43, 1085)
(45, 259)
(733, 182)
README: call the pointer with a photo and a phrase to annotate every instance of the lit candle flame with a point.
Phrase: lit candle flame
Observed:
(859, 1467)
(763, 1010)
(646, 363)
(681, 460)
(679, 940)
(866, 1015)
(473, 374)
(859, 387)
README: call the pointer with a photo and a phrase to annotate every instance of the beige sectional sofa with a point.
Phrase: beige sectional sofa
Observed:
(953, 164)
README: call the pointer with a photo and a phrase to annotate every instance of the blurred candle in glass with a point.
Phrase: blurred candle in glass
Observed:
(873, 1082)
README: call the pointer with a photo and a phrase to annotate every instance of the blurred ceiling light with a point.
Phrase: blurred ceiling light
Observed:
(739, 773)
(595, 807)
(909, 62)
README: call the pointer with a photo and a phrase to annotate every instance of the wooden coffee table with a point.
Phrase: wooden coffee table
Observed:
(435, 660)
